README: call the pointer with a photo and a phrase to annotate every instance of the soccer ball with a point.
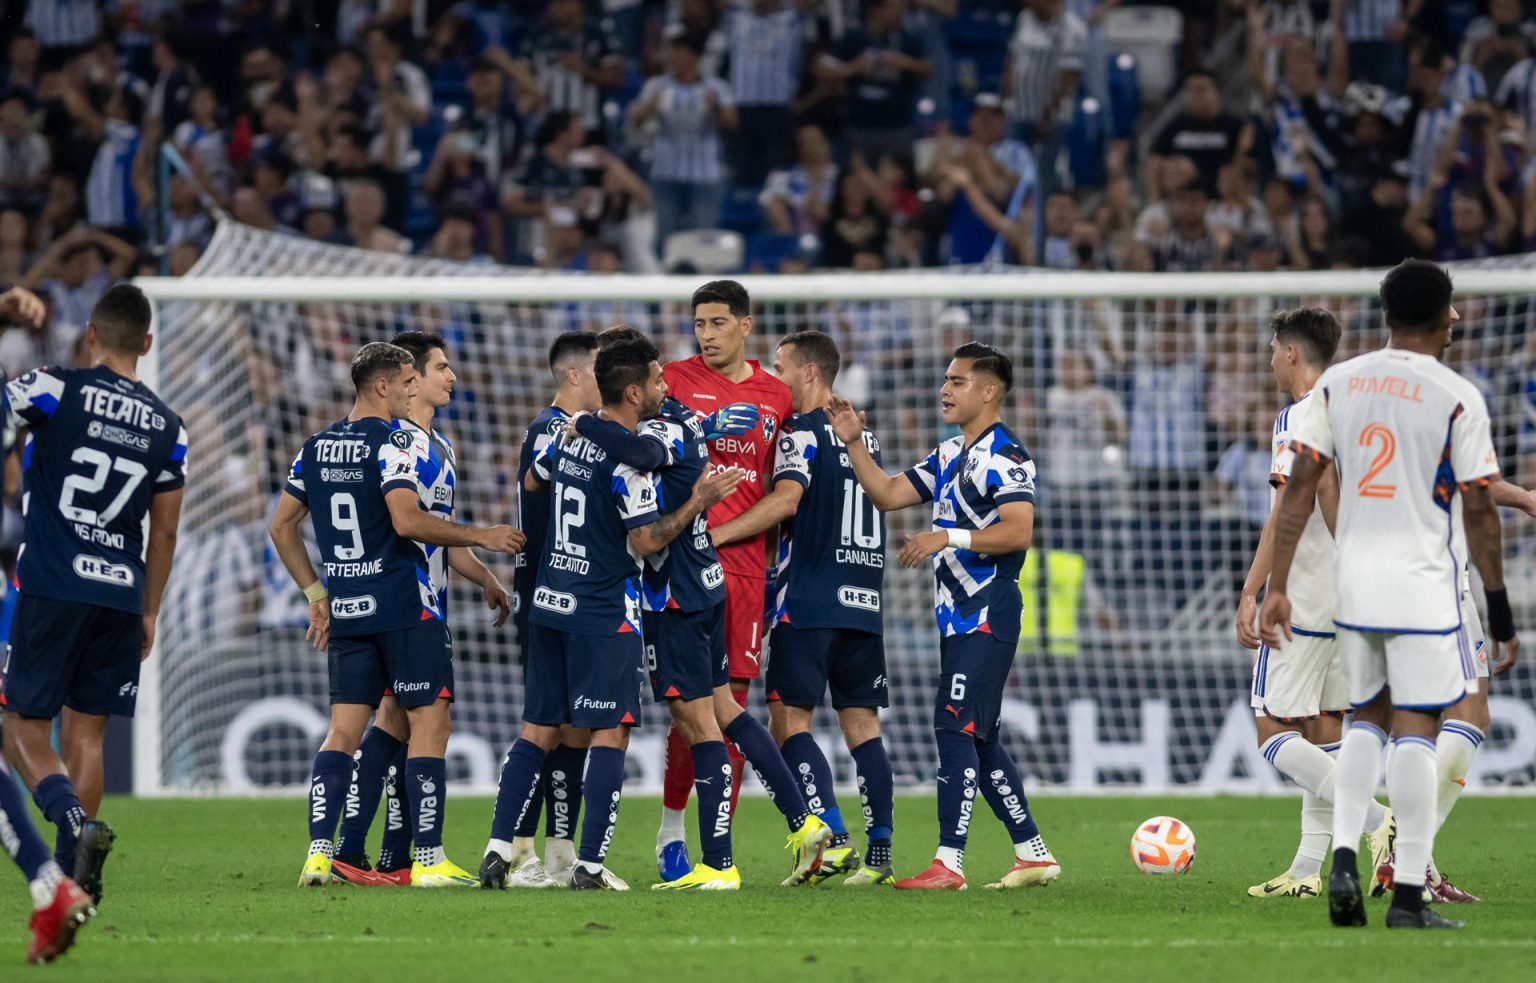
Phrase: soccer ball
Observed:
(1163, 845)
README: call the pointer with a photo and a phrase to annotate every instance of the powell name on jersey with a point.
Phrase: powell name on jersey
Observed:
(589, 584)
(967, 485)
(378, 580)
(833, 548)
(436, 475)
(99, 448)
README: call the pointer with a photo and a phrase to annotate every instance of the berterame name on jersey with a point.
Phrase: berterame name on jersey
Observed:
(377, 579)
(99, 448)
(832, 551)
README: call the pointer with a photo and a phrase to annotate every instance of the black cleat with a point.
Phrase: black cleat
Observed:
(1346, 905)
(493, 872)
(1419, 918)
(604, 879)
(91, 851)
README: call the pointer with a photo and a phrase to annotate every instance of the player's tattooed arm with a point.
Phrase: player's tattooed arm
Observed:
(887, 492)
(709, 489)
(160, 550)
(466, 564)
(414, 523)
(641, 452)
(288, 540)
(1292, 510)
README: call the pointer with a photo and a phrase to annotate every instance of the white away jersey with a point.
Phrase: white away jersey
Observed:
(1311, 587)
(436, 475)
(1405, 431)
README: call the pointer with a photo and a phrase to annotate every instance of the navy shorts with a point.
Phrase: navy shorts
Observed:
(69, 654)
(414, 665)
(589, 681)
(685, 653)
(973, 669)
(803, 663)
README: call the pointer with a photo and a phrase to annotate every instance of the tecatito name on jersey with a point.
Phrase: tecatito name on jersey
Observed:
(378, 580)
(704, 390)
(99, 448)
(1311, 587)
(436, 477)
(1405, 431)
(832, 552)
(533, 509)
(967, 485)
(589, 584)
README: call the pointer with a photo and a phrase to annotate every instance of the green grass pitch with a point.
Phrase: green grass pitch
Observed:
(204, 890)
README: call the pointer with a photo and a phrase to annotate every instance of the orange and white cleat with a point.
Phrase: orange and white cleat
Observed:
(345, 873)
(936, 878)
(1029, 873)
(54, 927)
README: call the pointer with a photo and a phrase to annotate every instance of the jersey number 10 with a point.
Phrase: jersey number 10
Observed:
(861, 527)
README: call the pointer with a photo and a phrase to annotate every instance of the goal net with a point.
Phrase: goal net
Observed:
(1146, 400)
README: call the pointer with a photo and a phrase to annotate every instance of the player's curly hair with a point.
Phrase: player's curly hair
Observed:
(1415, 295)
(1314, 329)
(621, 365)
(376, 359)
(985, 358)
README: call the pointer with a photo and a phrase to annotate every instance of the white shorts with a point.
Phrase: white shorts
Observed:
(1426, 672)
(1303, 679)
(1474, 644)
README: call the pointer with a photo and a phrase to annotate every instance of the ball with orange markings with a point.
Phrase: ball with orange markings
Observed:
(1163, 845)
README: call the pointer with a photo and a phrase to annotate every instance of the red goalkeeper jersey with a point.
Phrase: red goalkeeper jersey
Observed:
(704, 390)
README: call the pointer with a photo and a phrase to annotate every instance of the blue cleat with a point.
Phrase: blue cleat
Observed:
(672, 861)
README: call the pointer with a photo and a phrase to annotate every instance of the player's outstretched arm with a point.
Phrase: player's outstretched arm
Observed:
(466, 564)
(289, 543)
(888, 492)
(1292, 509)
(412, 522)
(1480, 519)
(709, 489)
(1013, 531)
(1512, 496)
(1258, 572)
(159, 551)
(640, 451)
(772, 509)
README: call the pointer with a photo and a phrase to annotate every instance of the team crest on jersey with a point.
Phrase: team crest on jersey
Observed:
(770, 424)
(401, 439)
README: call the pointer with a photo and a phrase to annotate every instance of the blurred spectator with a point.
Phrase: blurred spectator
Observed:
(1045, 61)
(575, 60)
(878, 64)
(1424, 114)
(457, 183)
(1167, 419)
(795, 199)
(399, 93)
(1001, 170)
(687, 175)
(857, 224)
(24, 154)
(349, 163)
(1241, 478)
(493, 114)
(20, 69)
(64, 28)
(170, 97)
(1374, 30)
(1517, 92)
(63, 210)
(202, 141)
(1085, 428)
(15, 250)
(365, 229)
(248, 207)
(552, 189)
(110, 200)
(72, 277)
(1471, 234)
(764, 38)
(1497, 41)
(1311, 239)
(1184, 243)
(457, 237)
(1202, 132)
(1236, 209)
(1378, 219)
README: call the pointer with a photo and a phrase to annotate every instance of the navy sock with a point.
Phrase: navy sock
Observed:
(562, 791)
(55, 796)
(528, 826)
(370, 764)
(958, 764)
(329, 780)
(1003, 786)
(605, 782)
(712, 780)
(395, 847)
(764, 757)
(806, 762)
(518, 786)
(877, 794)
(25, 846)
(426, 783)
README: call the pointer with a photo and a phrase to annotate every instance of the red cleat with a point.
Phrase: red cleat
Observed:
(395, 878)
(936, 878)
(54, 927)
(1383, 883)
(361, 876)
(1447, 893)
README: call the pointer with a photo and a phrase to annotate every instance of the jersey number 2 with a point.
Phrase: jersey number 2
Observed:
(1368, 486)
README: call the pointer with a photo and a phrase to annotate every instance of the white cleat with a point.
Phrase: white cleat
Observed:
(531, 873)
(1286, 886)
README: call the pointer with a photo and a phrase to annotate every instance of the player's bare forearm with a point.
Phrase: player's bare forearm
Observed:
(655, 537)
(1512, 496)
(1480, 519)
(289, 541)
(1328, 497)
(1292, 510)
(160, 551)
(888, 492)
(410, 521)
(1258, 570)
(463, 561)
(780, 504)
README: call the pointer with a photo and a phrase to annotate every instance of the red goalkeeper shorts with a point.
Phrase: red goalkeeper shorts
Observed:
(744, 625)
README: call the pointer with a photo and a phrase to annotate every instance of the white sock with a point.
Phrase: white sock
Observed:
(501, 848)
(1411, 786)
(1354, 782)
(428, 856)
(1454, 748)
(46, 882)
(1316, 821)
(522, 848)
(1375, 812)
(1303, 762)
(1434, 874)
(558, 854)
(1031, 849)
(590, 867)
(327, 847)
(671, 827)
(951, 857)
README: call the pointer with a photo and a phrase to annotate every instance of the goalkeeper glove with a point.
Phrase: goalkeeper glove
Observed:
(731, 421)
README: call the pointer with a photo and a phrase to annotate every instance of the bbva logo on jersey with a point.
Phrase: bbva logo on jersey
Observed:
(353, 607)
(95, 568)
(554, 600)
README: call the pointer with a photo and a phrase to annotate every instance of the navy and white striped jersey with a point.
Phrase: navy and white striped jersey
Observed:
(1428, 129)
(687, 145)
(533, 508)
(64, 23)
(378, 580)
(1040, 51)
(99, 448)
(1464, 84)
(976, 592)
(833, 549)
(1369, 20)
(590, 582)
(565, 89)
(1517, 92)
(110, 202)
(436, 475)
(1168, 416)
(765, 55)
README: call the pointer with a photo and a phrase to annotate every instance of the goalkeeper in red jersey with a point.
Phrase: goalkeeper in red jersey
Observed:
(720, 376)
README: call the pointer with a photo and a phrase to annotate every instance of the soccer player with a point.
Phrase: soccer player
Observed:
(378, 613)
(585, 643)
(383, 748)
(982, 485)
(103, 452)
(1300, 691)
(1408, 435)
(59, 907)
(684, 602)
(827, 630)
(718, 376)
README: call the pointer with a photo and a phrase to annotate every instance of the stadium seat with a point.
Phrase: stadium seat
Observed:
(766, 250)
(708, 251)
(740, 212)
(1152, 35)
